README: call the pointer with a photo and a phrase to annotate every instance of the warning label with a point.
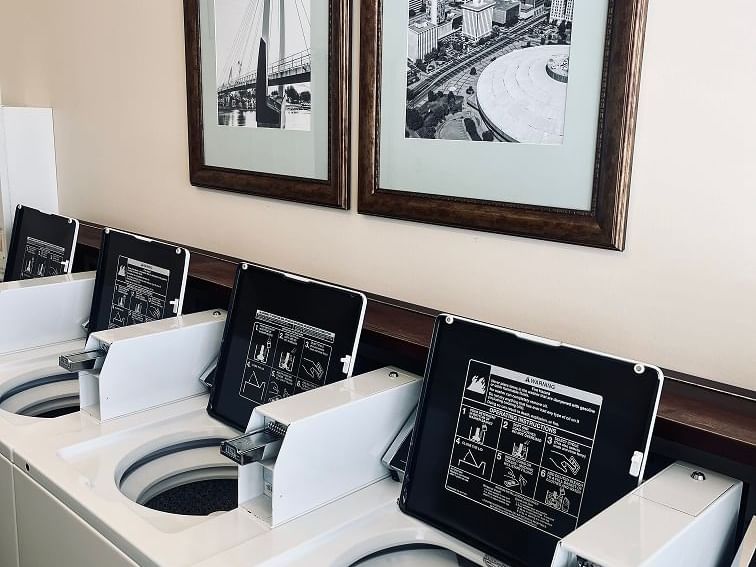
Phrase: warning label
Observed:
(523, 446)
(140, 293)
(285, 357)
(42, 259)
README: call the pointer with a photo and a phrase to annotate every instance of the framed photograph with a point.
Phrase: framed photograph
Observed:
(508, 116)
(268, 97)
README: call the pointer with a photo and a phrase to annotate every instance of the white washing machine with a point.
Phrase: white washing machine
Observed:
(146, 366)
(138, 280)
(525, 452)
(22, 305)
(97, 491)
(163, 494)
(41, 304)
(53, 524)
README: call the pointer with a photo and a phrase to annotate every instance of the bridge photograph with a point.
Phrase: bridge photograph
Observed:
(263, 63)
(488, 70)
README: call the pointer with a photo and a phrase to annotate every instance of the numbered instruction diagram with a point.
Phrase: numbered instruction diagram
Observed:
(140, 293)
(523, 447)
(284, 357)
(42, 259)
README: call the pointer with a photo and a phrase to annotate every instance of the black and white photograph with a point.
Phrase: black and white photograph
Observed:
(263, 63)
(488, 70)
(268, 80)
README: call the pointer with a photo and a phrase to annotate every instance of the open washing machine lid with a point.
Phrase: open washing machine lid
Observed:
(519, 439)
(138, 280)
(41, 245)
(284, 334)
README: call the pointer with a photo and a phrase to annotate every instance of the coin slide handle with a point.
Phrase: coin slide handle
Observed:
(250, 447)
(78, 361)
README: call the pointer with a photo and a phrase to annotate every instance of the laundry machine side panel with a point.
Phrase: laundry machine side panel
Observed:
(50, 534)
(8, 542)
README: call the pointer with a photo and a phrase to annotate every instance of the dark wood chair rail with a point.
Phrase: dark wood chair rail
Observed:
(695, 412)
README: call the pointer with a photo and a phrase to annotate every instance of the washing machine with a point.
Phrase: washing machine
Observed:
(525, 451)
(282, 396)
(138, 280)
(40, 302)
(59, 310)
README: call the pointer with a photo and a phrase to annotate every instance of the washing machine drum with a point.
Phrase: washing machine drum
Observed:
(47, 397)
(190, 478)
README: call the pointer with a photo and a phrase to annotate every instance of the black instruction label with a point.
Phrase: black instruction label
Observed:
(42, 259)
(523, 447)
(140, 293)
(285, 357)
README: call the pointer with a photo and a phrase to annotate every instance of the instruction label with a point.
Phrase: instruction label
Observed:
(140, 293)
(285, 357)
(523, 446)
(42, 259)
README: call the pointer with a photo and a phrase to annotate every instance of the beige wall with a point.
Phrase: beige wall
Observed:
(683, 294)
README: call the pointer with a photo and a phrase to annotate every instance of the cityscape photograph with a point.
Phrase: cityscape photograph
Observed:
(488, 70)
(263, 63)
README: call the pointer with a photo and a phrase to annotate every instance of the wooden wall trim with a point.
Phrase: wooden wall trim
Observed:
(694, 411)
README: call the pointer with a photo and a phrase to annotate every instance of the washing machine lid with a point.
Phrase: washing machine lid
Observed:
(284, 334)
(138, 280)
(519, 440)
(41, 245)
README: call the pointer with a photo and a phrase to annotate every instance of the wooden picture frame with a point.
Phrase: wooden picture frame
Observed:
(331, 192)
(602, 226)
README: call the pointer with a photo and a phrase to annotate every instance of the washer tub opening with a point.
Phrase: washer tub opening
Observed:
(190, 478)
(47, 397)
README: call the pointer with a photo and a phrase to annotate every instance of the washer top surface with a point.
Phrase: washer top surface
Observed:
(20, 368)
(86, 472)
(346, 532)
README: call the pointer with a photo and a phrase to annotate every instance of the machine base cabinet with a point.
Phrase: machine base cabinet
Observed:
(67, 540)
(8, 547)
